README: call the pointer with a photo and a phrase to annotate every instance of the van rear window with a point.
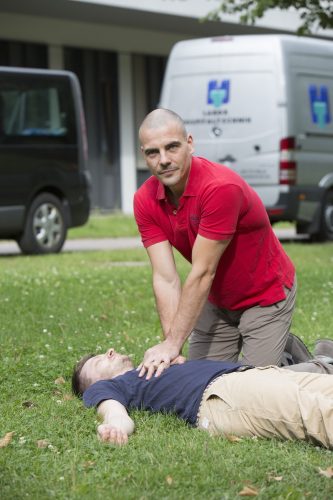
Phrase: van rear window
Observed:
(313, 95)
(33, 112)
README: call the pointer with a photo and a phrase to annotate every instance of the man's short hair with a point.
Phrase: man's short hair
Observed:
(159, 118)
(78, 386)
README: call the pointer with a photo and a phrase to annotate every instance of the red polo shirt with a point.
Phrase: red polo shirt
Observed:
(218, 204)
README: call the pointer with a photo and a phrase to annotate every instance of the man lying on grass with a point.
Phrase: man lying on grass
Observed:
(220, 397)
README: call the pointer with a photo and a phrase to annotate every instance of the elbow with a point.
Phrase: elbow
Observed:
(208, 279)
(171, 281)
(204, 277)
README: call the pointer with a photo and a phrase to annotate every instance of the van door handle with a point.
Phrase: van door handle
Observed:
(227, 158)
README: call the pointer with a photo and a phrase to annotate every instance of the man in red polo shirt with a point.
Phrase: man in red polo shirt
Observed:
(239, 295)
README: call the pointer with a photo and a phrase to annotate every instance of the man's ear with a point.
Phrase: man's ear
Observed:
(190, 143)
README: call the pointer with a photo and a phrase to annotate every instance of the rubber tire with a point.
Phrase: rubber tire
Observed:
(46, 216)
(326, 218)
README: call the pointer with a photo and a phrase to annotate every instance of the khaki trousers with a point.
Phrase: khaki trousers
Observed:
(270, 402)
(260, 333)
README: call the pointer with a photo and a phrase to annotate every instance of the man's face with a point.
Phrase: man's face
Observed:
(105, 366)
(168, 154)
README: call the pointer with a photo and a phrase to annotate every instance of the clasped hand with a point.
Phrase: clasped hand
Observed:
(158, 358)
(111, 434)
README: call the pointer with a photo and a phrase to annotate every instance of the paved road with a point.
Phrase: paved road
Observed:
(11, 248)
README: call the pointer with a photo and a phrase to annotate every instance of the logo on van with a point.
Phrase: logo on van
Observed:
(319, 103)
(218, 92)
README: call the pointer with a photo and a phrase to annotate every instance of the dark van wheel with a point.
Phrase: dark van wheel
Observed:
(45, 227)
(326, 221)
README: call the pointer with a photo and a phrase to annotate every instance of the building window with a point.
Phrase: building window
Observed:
(25, 55)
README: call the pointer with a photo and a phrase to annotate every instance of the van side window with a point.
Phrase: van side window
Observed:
(33, 113)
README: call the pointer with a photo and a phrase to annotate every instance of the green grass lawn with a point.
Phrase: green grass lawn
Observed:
(115, 225)
(112, 225)
(55, 309)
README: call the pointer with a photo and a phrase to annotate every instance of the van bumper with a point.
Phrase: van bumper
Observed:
(300, 204)
(79, 211)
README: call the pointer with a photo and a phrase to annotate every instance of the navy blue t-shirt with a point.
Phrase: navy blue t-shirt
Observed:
(178, 389)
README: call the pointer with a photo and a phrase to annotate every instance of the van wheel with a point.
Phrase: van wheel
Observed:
(45, 228)
(326, 222)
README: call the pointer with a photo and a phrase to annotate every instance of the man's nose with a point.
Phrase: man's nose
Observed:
(164, 160)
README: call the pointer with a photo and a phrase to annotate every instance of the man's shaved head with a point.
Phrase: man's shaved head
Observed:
(167, 149)
(160, 118)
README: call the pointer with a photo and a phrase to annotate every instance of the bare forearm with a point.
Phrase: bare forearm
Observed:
(115, 414)
(167, 297)
(192, 300)
(206, 255)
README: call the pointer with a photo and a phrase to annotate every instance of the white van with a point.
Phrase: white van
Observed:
(262, 104)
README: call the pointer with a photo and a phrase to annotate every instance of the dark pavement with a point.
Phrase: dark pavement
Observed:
(11, 248)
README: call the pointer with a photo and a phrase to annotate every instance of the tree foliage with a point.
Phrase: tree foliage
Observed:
(314, 14)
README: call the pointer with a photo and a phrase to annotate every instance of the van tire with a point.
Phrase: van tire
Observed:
(326, 219)
(45, 226)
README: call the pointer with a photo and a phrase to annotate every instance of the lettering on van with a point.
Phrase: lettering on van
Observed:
(319, 105)
(218, 92)
(216, 121)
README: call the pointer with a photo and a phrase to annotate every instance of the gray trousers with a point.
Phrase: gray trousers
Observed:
(319, 364)
(260, 333)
